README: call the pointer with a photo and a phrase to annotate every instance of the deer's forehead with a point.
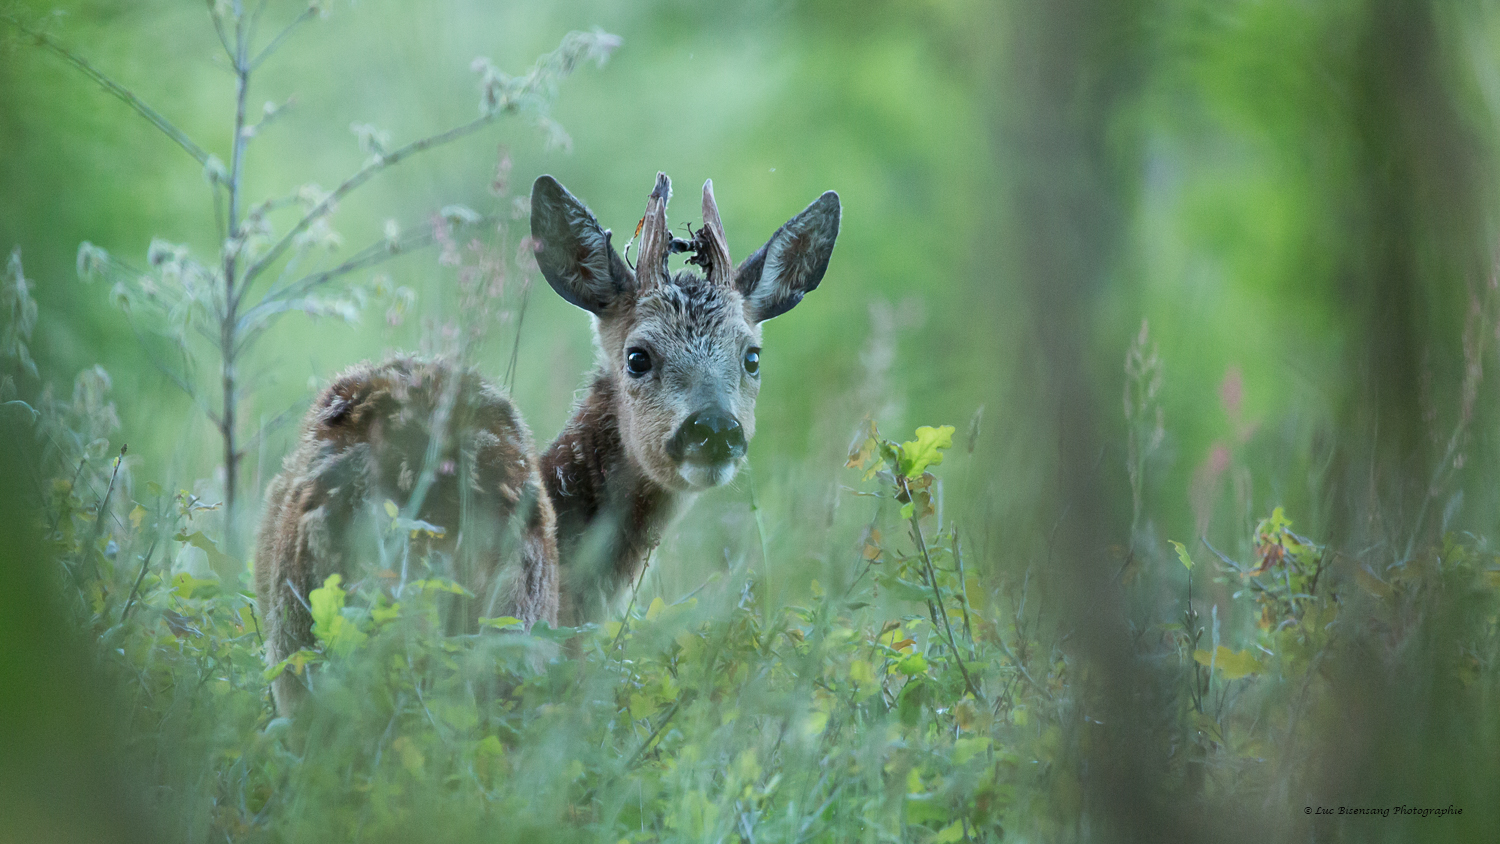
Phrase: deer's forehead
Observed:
(692, 315)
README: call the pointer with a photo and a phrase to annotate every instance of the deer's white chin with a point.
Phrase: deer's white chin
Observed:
(705, 475)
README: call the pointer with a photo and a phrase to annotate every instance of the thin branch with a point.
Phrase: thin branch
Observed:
(646, 745)
(515, 349)
(219, 29)
(120, 91)
(269, 427)
(135, 589)
(963, 586)
(361, 176)
(372, 255)
(281, 36)
(178, 381)
(958, 656)
(103, 506)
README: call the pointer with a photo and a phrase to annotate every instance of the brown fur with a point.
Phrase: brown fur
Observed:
(634, 448)
(364, 441)
(610, 514)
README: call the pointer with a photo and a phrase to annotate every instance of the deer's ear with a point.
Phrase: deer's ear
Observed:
(792, 262)
(573, 253)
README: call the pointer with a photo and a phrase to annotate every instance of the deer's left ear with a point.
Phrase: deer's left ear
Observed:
(792, 262)
(574, 254)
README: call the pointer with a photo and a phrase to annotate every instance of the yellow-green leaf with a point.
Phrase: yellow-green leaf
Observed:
(1182, 554)
(967, 748)
(912, 665)
(329, 624)
(950, 833)
(410, 756)
(186, 586)
(861, 672)
(1234, 664)
(926, 450)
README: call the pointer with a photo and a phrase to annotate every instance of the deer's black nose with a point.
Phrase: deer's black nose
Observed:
(710, 436)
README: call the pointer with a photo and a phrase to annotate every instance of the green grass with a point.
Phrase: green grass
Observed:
(899, 701)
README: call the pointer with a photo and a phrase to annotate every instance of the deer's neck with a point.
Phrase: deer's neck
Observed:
(609, 513)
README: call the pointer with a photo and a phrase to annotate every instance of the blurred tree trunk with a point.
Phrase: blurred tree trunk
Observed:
(1075, 66)
(1416, 264)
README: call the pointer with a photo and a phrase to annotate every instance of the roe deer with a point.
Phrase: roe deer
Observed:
(367, 439)
(669, 410)
(670, 407)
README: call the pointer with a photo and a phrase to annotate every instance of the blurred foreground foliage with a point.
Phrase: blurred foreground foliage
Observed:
(913, 700)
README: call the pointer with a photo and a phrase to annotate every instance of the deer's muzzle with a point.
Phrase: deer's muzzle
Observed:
(709, 436)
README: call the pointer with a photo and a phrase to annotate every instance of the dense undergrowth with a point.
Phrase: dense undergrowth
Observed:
(908, 699)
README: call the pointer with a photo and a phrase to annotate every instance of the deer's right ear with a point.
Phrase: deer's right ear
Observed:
(792, 262)
(573, 253)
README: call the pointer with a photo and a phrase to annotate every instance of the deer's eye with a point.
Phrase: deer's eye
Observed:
(752, 361)
(637, 362)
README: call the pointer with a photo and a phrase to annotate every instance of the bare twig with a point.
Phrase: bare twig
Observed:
(114, 88)
(958, 558)
(283, 299)
(232, 284)
(646, 745)
(103, 507)
(359, 177)
(270, 48)
(213, 15)
(515, 349)
(136, 588)
(177, 380)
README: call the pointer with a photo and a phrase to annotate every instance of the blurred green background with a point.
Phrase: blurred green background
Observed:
(1226, 201)
(1299, 199)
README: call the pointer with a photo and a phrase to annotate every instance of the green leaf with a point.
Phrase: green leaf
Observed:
(543, 630)
(654, 611)
(341, 635)
(437, 584)
(1234, 664)
(504, 622)
(909, 702)
(912, 665)
(326, 601)
(296, 662)
(217, 560)
(1182, 554)
(967, 748)
(187, 586)
(489, 746)
(903, 590)
(950, 833)
(926, 450)
(383, 612)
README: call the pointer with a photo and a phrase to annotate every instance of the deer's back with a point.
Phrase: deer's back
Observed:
(406, 428)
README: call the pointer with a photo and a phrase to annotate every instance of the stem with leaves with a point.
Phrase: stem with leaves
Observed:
(942, 611)
(228, 341)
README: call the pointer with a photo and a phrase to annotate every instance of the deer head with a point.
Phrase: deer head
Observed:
(682, 349)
